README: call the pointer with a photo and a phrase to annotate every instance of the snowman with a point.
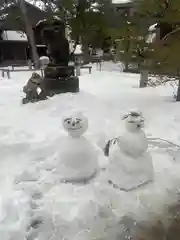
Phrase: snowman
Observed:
(77, 158)
(130, 165)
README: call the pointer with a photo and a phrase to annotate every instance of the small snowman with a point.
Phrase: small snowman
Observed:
(130, 165)
(77, 158)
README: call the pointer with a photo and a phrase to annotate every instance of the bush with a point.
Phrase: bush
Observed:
(166, 227)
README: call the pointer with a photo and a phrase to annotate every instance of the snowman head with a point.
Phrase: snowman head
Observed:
(134, 121)
(75, 124)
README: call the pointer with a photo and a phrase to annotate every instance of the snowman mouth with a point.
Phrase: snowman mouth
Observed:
(75, 128)
(133, 122)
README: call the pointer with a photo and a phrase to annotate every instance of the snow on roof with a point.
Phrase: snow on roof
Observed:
(3, 16)
(44, 20)
(41, 21)
(14, 36)
(121, 1)
(153, 27)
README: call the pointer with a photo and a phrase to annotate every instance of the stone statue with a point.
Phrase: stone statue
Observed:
(34, 89)
(53, 36)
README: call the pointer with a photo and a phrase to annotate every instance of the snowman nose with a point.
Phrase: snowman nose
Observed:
(73, 123)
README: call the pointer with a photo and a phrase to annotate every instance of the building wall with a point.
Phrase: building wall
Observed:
(14, 47)
(13, 52)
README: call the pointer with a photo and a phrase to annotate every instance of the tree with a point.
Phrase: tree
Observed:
(162, 55)
(30, 33)
(165, 58)
(132, 42)
(5, 3)
(87, 19)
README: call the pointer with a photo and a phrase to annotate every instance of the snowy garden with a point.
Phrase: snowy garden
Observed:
(56, 180)
(89, 120)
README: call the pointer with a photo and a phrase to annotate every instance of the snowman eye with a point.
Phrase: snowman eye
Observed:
(78, 120)
(68, 120)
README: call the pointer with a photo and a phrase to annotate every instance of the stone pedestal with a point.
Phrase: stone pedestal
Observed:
(60, 79)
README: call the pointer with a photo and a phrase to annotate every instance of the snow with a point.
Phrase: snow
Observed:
(78, 50)
(121, 1)
(99, 53)
(30, 140)
(44, 61)
(41, 21)
(151, 37)
(153, 27)
(14, 36)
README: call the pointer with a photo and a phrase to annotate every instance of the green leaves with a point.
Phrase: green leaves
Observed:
(86, 18)
(164, 54)
(166, 51)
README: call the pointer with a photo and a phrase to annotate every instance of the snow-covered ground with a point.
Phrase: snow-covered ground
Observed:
(31, 135)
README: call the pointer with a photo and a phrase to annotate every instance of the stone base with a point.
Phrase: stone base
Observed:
(27, 100)
(54, 71)
(32, 95)
(61, 85)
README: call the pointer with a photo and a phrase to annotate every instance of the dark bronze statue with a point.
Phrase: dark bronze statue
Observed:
(59, 77)
(53, 36)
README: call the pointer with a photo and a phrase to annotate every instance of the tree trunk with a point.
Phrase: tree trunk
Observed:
(85, 48)
(178, 92)
(126, 66)
(30, 34)
(126, 60)
(144, 78)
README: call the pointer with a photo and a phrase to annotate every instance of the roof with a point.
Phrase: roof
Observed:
(124, 5)
(11, 17)
(14, 36)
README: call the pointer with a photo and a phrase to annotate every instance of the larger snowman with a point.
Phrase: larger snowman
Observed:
(130, 164)
(78, 158)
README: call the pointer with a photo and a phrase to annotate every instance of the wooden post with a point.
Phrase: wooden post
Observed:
(8, 74)
(30, 64)
(30, 33)
(144, 74)
(178, 90)
(42, 72)
(78, 65)
(144, 78)
(100, 64)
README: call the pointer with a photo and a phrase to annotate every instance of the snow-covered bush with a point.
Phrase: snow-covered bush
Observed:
(157, 80)
(163, 227)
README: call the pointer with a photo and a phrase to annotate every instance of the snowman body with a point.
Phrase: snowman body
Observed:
(78, 158)
(130, 164)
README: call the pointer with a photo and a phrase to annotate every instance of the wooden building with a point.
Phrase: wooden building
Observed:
(14, 46)
(125, 9)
